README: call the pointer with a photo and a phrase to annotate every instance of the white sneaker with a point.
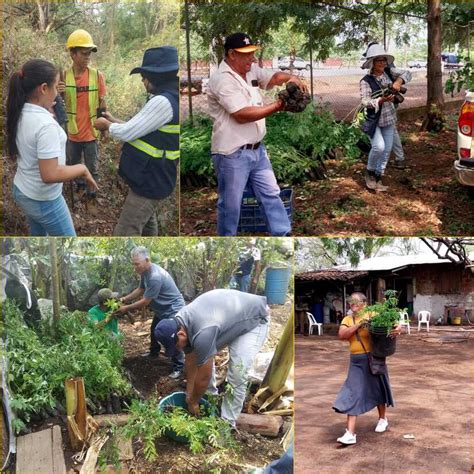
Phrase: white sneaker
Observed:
(347, 438)
(176, 374)
(381, 425)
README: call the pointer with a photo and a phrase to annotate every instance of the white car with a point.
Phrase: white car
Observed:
(464, 165)
(417, 63)
(298, 63)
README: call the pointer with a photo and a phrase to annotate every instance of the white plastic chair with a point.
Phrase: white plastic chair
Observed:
(312, 322)
(405, 320)
(424, 318)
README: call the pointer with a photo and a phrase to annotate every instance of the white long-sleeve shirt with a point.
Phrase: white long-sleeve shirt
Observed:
(155, 113)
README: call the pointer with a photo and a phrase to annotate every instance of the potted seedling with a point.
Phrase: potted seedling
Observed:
(387, 317)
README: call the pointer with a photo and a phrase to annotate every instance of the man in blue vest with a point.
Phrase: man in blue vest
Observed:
(149, 158)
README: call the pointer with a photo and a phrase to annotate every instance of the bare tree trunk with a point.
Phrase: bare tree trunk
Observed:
(112, 10)
(434, 120)
(43, 13)
(54, 279)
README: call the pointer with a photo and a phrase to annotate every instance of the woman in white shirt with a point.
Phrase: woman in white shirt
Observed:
(39, 144)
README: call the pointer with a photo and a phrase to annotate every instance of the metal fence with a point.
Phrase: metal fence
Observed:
(336, 87)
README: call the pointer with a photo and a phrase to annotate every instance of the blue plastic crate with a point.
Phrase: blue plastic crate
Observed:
(252, 216)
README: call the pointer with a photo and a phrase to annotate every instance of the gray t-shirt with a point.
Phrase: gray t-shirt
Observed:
(161, 288)
(218, 317)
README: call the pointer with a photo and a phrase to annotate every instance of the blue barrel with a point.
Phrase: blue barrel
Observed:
(318, 312)
(276, 284)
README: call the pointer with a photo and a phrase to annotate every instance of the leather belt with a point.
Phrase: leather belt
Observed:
(250, 146)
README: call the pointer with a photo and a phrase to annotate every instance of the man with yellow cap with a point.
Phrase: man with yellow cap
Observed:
(85, 91)
(238, 152)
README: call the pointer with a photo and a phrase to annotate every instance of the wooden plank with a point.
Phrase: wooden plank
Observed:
(41, 452)
(59, 465)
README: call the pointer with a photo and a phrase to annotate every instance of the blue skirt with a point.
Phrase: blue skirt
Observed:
(361, 390)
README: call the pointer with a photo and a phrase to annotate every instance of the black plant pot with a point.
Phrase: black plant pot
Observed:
(382, 345)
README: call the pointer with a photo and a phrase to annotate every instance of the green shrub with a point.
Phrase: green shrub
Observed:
(40, 361)
(297, 144)
(195, 145)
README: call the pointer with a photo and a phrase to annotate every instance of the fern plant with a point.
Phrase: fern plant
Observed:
(148, 423)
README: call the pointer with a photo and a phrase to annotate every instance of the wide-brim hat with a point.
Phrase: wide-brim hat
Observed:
(376, 51)
(240, 42)
(159, 60)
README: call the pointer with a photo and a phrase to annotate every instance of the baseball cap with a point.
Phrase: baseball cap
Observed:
(106, 294)
(240, 42)
(166, 334)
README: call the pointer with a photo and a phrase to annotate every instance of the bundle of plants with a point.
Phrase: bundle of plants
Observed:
(300, 144)
(204, 433)
(39, 361)
(387, 317)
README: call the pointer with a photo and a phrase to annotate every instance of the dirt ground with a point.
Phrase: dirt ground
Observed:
(90, 218)
(432, 383)
(424, 199)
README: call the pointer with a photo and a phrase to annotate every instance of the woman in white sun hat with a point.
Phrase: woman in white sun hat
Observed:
(381, 115)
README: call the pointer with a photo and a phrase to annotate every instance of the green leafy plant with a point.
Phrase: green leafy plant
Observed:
(387, 313)
(462, 78)
(148, 423)
(113, 304)
(40, 361)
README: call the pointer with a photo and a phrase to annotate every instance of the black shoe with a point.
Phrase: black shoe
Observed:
(400, 165)
(151, 354)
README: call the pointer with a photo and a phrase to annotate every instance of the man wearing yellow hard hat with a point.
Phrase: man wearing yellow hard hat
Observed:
(85, 91)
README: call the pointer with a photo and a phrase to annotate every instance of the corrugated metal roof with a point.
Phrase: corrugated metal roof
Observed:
(393, 262)
(331, 275)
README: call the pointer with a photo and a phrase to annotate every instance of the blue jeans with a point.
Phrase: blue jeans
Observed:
(240, 282)
(397, 147)
(233, 172)
(284, 465)
(46, 217)
(381, 147)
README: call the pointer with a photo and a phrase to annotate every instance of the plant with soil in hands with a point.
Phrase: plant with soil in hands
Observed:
(387, 313)
(294, 98)
(148, 423)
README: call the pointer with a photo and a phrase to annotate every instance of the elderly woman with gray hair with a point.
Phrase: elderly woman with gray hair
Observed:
(378, 90)
(362, 391)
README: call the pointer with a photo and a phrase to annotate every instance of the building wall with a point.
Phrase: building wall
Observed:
(438, 286)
